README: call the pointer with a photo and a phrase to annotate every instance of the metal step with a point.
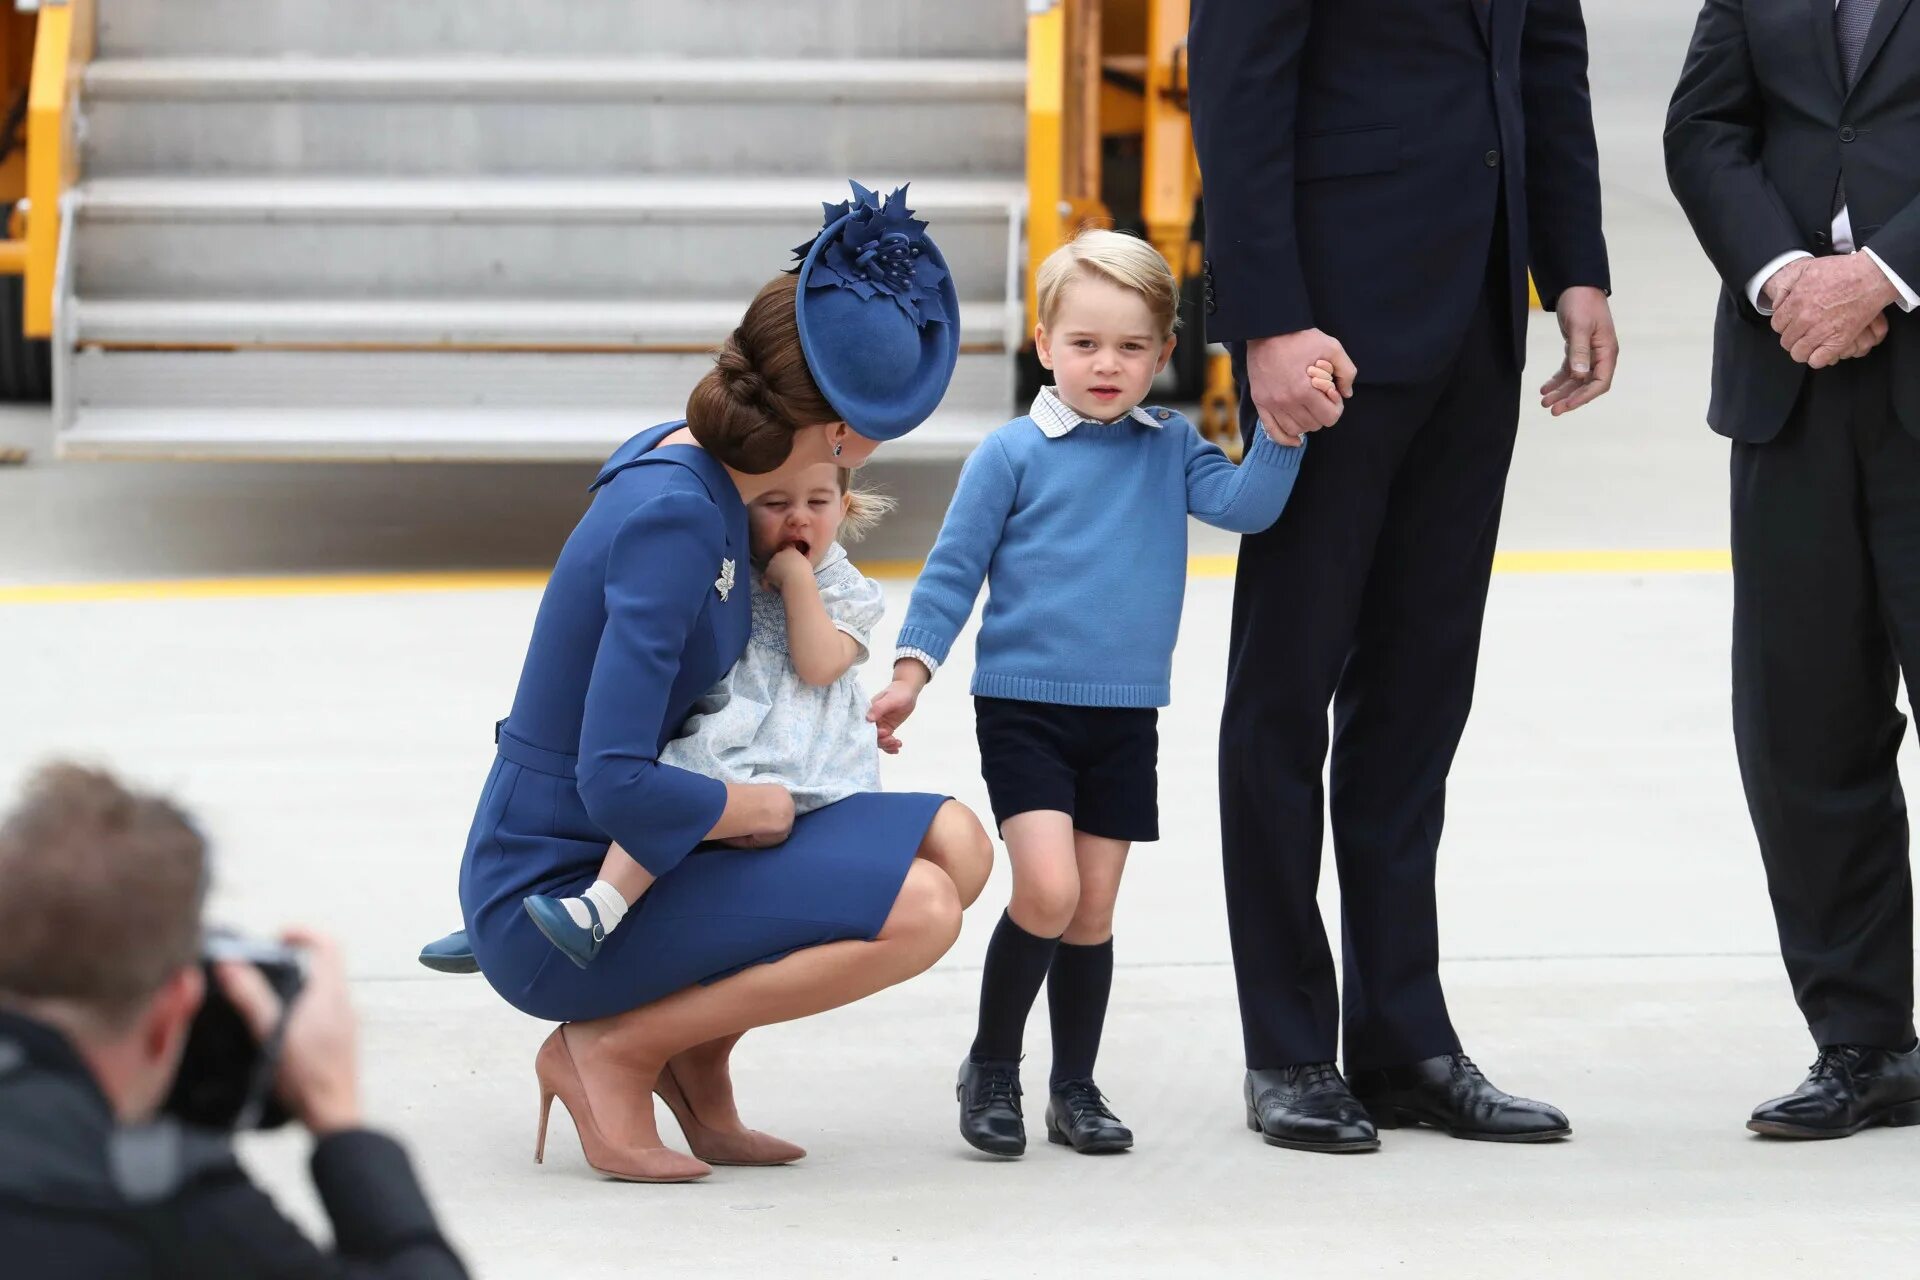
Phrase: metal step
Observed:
(383, 404)
(536, 324)
(652, 238)
(427, 405)
(488, 116)
(564, 28)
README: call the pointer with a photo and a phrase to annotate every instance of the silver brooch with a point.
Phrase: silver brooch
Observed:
(724, 583)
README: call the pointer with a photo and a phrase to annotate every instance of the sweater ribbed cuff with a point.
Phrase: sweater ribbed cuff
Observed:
(931, 643)
(1265, 453)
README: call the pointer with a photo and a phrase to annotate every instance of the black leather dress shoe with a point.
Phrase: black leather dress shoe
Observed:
(1307, 1108)
(990, 1118)
(1450, 1094)
(1850, 1087)
(1077, 1117)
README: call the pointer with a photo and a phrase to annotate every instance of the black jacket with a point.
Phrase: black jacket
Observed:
(82, 1199)
(1758, 132)
(1355, 153)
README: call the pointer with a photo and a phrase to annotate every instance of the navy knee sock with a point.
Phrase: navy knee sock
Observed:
(1077, 990)
(1016, 966)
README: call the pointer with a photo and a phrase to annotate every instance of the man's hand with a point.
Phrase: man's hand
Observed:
(1780, 283)
(893, 704)
(1870, 337)
(319, 1067)
(1829, 307)
(1593, 349)
(1283, 392)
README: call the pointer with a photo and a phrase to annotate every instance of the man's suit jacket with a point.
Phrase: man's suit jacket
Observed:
(1355, 153)
(1760, 129)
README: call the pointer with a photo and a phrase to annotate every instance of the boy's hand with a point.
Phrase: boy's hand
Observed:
(1320, 374)
(893, 704)
(786, 567)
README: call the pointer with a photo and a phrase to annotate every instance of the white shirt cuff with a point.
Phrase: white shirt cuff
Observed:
(931, 663)
(1764, 274)
(1908, 299)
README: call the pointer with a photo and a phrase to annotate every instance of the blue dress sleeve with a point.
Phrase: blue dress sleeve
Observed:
(659, 571)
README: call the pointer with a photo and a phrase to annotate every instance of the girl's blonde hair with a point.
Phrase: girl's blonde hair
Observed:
(865, 508)
(1125, 260)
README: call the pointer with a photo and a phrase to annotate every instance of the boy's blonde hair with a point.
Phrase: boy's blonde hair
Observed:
(1127, 261)
(865, 507)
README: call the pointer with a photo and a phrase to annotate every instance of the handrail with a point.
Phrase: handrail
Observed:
(63, 44)
(1063, 128)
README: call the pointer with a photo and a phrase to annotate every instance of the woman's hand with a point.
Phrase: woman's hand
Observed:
(893, 704)
(787, 567)
(758, 815)
(773, 816)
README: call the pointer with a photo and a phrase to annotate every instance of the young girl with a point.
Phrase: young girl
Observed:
(792, 711)
(1076, 515)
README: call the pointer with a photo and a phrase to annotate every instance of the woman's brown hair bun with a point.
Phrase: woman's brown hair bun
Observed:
(759, 391)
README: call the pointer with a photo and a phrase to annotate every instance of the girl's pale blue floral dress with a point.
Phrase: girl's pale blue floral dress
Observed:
(762, 723)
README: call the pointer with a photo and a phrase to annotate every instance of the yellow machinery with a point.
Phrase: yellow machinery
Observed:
(42, 52)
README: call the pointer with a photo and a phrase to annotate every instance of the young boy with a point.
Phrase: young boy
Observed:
(1076, 516)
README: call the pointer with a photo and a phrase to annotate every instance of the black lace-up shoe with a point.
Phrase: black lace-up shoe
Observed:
(1850, 1087)
(1450, 1094)
(1077, 1117)
(1307, 1108)
(990, 1118)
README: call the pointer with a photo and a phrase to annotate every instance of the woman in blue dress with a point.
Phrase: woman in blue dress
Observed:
(647, 607)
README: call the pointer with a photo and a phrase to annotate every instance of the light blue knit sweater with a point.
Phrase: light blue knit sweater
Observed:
(1082, 542)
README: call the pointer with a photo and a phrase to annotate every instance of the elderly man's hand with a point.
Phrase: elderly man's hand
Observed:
(1829, 307)
(1593, 349)
(1289, 404)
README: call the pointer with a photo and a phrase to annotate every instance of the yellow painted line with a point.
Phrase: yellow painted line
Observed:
(331, 584)
(1570, 563)
(1614, 562)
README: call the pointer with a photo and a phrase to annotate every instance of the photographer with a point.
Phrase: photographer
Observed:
(100, 983)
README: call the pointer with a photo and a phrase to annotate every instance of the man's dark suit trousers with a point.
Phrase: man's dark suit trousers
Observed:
(1826, 556)
(1367, 594)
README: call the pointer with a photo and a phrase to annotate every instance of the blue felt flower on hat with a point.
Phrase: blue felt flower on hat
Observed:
(877, 314)
(877, 250)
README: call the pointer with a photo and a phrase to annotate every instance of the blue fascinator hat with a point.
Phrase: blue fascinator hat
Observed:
(879, 321)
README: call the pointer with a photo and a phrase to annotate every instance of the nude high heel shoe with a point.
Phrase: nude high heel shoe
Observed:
(715, 1147)
(560, 1077)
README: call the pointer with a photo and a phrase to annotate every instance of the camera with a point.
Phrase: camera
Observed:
(226, 1079)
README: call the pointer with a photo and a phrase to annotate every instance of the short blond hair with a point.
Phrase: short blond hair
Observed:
(1125, 260)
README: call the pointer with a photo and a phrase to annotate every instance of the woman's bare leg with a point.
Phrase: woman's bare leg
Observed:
(957, 844)
(620, 1057)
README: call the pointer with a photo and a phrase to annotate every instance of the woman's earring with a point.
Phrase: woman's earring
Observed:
(836, 448)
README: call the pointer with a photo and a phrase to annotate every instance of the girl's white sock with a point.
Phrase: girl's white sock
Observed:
(606, 900)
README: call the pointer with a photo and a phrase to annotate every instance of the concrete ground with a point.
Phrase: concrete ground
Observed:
(1606, 931)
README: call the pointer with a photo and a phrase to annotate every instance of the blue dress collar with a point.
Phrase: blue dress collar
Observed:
(641, 449)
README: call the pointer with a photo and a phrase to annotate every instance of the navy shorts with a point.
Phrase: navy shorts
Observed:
(1099, 765)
